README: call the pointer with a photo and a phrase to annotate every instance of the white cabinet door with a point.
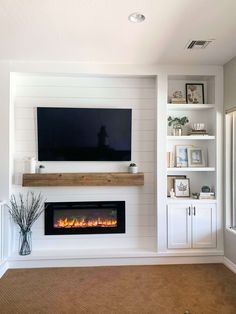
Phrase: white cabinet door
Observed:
(203, 226)
(179, 226)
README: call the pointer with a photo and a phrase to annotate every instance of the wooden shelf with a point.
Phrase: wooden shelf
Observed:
(84, 179)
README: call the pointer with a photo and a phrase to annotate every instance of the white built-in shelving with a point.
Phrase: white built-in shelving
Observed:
(209, 113)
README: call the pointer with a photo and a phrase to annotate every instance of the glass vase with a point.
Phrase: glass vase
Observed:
(25, 242)
(177, 130)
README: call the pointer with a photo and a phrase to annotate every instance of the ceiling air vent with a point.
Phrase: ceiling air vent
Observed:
(198, 44)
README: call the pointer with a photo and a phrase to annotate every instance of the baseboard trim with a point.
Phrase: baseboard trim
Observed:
(3, 268)
(229, 264)
(86, 262)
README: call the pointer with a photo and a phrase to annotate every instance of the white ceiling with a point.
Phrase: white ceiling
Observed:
(99, 31)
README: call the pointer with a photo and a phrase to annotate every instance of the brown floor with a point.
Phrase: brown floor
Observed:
(201, 289)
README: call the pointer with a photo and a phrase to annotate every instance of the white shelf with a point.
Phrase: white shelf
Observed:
(188, 169)
(191, 137)
(190, 106)
(189, 200)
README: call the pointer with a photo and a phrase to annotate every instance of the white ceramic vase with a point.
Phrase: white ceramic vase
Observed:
(133, 169)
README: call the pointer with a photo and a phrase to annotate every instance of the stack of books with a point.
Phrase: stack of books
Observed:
(178, 100)
(197, 132)
(170, 160)
(207, 196)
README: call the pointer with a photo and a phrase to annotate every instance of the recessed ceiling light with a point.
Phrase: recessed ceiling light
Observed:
(136, 17)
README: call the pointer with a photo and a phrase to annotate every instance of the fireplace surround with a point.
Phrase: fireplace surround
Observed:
(63, 218)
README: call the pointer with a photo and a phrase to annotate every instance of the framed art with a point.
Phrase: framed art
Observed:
(170, 182)
(182, 187)
(194, 93)
(181, 156)
(196, 157)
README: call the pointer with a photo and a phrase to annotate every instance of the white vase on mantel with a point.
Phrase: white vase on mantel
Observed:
(31, 165)
(133, 169)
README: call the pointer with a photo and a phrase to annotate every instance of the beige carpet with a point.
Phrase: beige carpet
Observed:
(201, 289)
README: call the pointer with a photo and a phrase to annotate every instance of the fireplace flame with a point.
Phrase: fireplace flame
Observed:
(85, 223)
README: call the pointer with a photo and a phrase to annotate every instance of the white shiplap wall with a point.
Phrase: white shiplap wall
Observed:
(93, 92)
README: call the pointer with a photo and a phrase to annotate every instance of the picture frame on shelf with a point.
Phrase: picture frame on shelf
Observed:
(196, 157)
(170, 182)
(181, 156)
(182, 187)
(194, 93)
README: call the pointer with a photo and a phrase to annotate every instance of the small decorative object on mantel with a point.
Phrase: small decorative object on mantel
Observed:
(41, 169)
(24, 213)
(30, 165)
(177, 124)
(133, 168)
(195, 93)
(178, 98)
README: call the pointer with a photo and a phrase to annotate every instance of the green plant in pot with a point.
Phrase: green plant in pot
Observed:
(133, 168)
(177, 124)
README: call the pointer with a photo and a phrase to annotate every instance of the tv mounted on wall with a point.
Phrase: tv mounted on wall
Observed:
(80, 134)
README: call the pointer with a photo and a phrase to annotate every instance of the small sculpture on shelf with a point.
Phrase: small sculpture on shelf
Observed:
(178, 98)
(198, 129)
(172, 193)
(206, 189)
(195, 195)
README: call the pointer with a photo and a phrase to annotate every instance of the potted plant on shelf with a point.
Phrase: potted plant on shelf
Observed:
(177, 124)
(24, 213)
(41, 169)
(133, 168)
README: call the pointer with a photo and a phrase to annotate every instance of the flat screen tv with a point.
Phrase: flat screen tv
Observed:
(80, 134)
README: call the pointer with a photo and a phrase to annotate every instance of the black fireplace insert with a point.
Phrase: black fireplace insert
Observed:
(84, 217)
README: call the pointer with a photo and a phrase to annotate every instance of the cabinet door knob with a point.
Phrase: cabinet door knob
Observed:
(194, 211)
(189, 210)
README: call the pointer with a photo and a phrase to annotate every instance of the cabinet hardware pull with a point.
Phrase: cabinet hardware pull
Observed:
(194, 211)
(189, 211)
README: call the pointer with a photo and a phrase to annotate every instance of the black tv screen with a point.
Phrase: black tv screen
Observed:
(79, 134)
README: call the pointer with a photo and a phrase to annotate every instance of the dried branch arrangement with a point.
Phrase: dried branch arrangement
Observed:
(26, 212)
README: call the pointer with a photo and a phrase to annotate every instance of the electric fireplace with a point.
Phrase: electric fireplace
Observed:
(84, 217)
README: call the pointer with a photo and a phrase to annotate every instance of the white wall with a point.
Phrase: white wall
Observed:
(230, 102)
(4, 130)
(87, 91)
(229, 84)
